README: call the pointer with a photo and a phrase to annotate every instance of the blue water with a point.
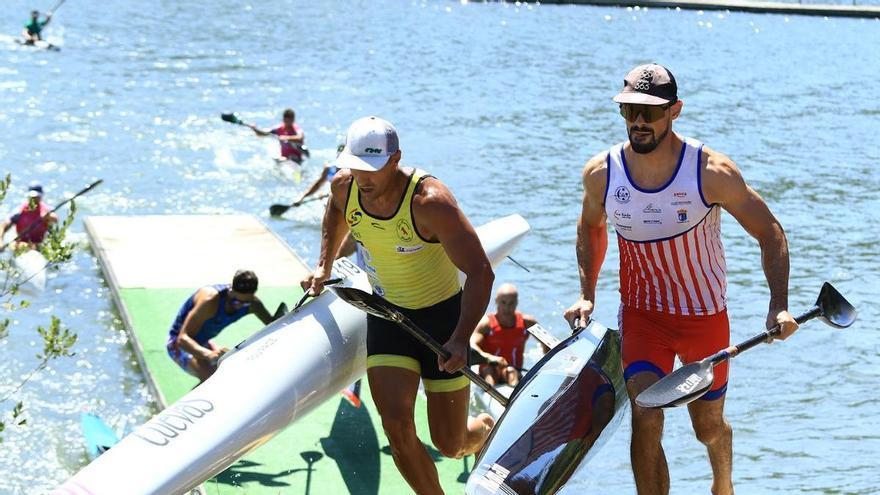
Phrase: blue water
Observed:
(502, 102)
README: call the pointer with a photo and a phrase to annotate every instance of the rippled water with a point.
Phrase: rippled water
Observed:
(504, 104)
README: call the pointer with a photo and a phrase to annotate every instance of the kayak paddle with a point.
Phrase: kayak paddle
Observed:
(691, 381)
(277, 210)
(376, 306)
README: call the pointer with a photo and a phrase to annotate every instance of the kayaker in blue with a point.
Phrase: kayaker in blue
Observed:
(34, 27)
(204, 315)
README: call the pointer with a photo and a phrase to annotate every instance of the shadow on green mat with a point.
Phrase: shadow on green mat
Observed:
(239, 474)
(354, 446)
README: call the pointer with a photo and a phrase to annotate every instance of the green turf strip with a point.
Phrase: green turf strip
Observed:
(334, 449)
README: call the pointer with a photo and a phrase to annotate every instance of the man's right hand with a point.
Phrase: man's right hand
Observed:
(498, 361)
(314, 282)
(579, 312)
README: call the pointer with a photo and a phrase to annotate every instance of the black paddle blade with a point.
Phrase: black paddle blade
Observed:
(277, 210)
(364, 301)
(834, 309)
(230, 117)
(281, 311)
(680, 387)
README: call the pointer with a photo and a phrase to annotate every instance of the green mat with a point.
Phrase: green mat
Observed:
(333, 450)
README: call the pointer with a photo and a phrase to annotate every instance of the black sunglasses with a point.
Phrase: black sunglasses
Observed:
(650, 113)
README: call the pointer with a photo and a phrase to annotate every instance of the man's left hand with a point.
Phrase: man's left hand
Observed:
(786, 323)
(458, 355)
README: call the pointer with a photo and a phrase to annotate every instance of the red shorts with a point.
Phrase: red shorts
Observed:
(651, 340)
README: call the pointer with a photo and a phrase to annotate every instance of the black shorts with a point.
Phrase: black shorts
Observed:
(390, 345)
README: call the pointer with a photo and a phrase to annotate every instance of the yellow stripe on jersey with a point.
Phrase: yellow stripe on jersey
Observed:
(402, 267)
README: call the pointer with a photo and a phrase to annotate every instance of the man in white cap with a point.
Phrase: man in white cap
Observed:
(31, 221)
(414, 239)
(663, 193)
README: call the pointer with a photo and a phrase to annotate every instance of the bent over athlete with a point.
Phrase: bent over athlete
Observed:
(663, 193)
(414, 240)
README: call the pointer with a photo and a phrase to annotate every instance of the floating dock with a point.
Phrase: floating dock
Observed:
(153, 263)
(789, 8)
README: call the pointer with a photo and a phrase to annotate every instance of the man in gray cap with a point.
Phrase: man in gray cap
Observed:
(414, 240)
(663, 193)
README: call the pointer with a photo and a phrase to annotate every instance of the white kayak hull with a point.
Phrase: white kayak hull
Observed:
(31, 266)
(278, 375)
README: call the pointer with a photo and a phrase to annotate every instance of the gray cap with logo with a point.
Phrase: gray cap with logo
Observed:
(369, 144)
(648, 84)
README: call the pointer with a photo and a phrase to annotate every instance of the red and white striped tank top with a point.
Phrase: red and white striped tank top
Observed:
(671, 257)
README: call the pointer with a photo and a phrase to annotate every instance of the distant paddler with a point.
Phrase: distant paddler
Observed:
(500, 338)
(415, 239)
(204, 315)
(33, 29)
(327, 174)
(31, 221)
(290, 136)
(664, 193)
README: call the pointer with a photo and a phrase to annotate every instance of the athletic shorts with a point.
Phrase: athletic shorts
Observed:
(651, 340)
(390, 345)
(180, 356)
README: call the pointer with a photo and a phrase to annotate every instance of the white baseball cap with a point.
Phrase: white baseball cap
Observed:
(369, 144)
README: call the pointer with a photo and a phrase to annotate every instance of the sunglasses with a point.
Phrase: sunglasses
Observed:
(650, 113)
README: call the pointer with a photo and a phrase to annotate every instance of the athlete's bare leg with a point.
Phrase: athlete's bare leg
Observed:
(646, 452)
(713, 431)
(394, 393)
(452, 431)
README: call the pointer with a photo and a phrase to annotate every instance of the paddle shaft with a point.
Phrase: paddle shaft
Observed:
(435, 347)
(761, 338)
(59, 4)
(53, 210)
(278, 209)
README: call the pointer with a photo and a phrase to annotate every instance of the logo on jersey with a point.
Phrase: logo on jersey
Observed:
(622, 215)
(680, 194)
(377, 226)
(682, 215)
(621, 195)
(354, 218)
(650, 209)
(404, 230)
(409, 249)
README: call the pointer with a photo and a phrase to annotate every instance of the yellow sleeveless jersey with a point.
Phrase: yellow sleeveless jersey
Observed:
(402, 267)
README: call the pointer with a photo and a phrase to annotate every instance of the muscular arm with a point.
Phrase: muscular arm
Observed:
(439, 217)
(592, 236)
(206, 302)
(259, 310)
(724, 184)
(479, 337)
(333, 227)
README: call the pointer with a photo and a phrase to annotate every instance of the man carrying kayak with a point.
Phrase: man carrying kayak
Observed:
(204, 315)
(31, 221)
(415, 240)
(34, 27)
(290, 137)
(500, 338)
(664, 193)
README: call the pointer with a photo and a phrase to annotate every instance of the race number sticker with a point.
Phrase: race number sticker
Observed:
(344, 268)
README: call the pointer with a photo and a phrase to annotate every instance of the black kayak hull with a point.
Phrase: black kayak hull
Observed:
(562, 412)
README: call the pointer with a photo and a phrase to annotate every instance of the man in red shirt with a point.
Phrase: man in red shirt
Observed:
(290, 137)
(500, 337)
(31, 221)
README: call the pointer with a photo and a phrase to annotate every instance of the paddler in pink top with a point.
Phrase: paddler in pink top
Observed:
(290, 136)
(31, 221)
